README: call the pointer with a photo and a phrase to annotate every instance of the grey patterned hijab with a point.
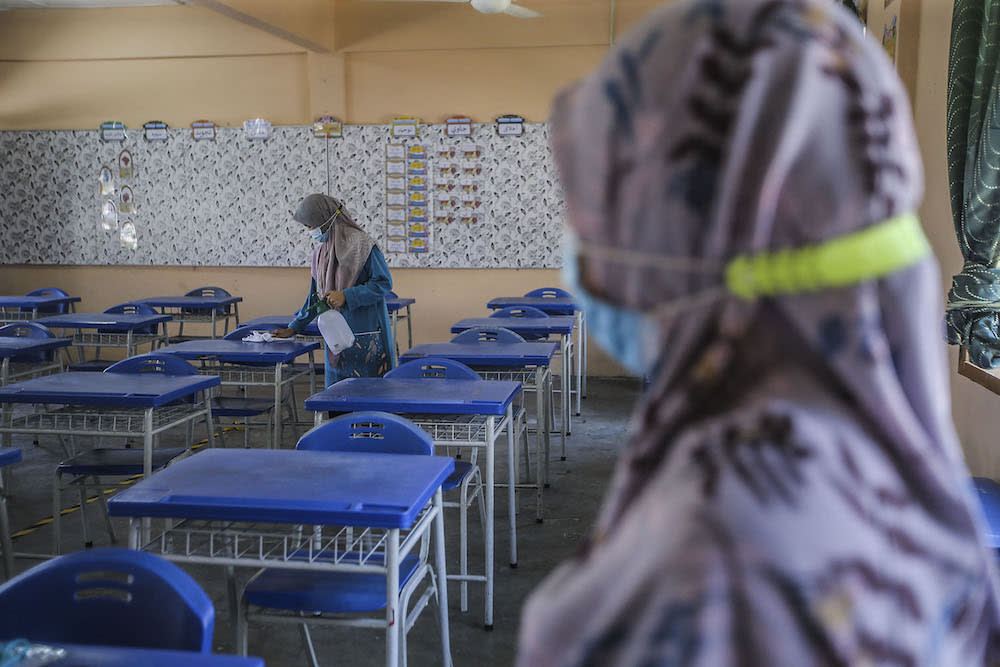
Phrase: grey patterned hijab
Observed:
(794, 493)
(337, 263)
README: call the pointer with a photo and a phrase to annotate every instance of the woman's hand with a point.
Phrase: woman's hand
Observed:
(336, 298)
(283, 333)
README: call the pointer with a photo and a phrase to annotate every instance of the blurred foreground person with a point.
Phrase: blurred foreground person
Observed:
(742, 178)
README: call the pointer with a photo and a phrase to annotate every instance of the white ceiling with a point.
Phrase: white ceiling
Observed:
(80, 4)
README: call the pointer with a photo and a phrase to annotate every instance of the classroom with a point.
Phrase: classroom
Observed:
(499, 332)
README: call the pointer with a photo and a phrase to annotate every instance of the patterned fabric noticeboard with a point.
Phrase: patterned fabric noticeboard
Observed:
(229, 202)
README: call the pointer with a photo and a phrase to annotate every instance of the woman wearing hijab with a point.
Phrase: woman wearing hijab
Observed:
(350, 274)
(741, 179)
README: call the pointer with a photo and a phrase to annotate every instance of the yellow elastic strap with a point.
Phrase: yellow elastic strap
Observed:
(871, 253)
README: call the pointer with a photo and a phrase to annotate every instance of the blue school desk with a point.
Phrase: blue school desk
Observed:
(258, 500)
(556, 306)
(107, 404)
(209, 309)
(18, 308)
(12, 347)
(527, 363)
(534, 328)
(456, 413)
(78, 655)
(112, 330)
(252, 364)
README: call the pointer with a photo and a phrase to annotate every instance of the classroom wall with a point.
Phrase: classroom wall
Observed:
(73, 69)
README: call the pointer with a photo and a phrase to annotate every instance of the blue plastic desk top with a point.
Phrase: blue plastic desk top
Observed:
(78, 655)
(411, 396)
(988, 492)
(393, 304)
(272, 322)
(543, 326)
(552, 306)
(288, 486)
(203, 302)
(146, 390)
(11, 346)
(236, 351)
(35, 301)
(498, 355)
(109, 321)
(9, 455)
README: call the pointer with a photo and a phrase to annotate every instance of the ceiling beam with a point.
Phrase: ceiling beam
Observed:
(259, 24)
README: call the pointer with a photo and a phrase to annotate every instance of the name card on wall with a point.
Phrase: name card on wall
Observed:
(404, 127)
(510, 126)
(203, 130)
(155, 130)
(112, 130)
(257, 129)
(328, 127)
(458, 126)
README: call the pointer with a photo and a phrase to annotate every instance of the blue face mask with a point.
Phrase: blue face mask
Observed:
(627, 335)
(319, 236)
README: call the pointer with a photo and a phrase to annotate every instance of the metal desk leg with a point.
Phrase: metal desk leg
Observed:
(512, 483)
(490, 515)
(395, 337)
(569, 352)
(147, 465)
(564, 382)
(209, 421)
(409, 326)
(392, 626)
(578, 352)
(276, 443)
(5, 541)
(213, 323)
(583, 337)
(548, 425)
(442, 579)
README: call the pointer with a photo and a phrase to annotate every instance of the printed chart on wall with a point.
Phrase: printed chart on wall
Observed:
(430, 183)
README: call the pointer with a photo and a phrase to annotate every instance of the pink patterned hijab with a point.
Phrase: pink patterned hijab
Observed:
(794, 493)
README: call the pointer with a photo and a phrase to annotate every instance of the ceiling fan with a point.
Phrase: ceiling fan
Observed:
(487, 7)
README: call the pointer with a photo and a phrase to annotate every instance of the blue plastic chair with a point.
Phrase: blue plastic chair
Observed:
(97, 364)
(528, 312)
(29, 330)
(113, 461)
(487, 335)
(433, 367)
(108, 597)
(549, 293)
(50, 310)
(314, 593)
(8, 456)
(221, 310)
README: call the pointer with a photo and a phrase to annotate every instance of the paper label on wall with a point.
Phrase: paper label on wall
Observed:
(203, 130)
(458, 127)
(396, 244)
(127, 200)
(417, 214)
(257, 129)
(418, 230)
(416, 199)
(395, 151)
(416, 183)
(395, 168)
(396, 198)
(418, 245)
(328, 127)
(126, 165)
(510, 126)
(418, 167)
(129, 236)
(416, 152)
(155, 130)
(106, 180)
(109, 216)
(395, 229)
(396, 183)
(112, 130)
(404, 127)
(471, 151)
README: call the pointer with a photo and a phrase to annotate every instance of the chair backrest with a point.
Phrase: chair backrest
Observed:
(368, 432)
(392, 295)
(26, 330)
(29, 330)
(111, 597)
(49, 310)
(487, 335)
(208, 291)
(241, 333)
(549, 293)
(131, 309)
(167, 364)
(433, 367)
(519, 311)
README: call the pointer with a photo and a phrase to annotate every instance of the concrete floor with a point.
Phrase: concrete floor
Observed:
(572, 502)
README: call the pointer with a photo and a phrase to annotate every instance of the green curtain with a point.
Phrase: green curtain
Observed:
(973, 127)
